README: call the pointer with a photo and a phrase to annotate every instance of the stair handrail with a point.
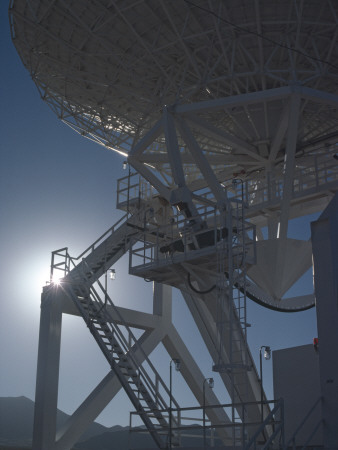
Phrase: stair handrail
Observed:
(135, 341)
(293, 437)
(92, 247)
(154, 401)
(144, 395)
(70, 262)
(117, 225)
(126, 346)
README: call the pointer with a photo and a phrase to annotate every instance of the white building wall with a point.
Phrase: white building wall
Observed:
(296, 380)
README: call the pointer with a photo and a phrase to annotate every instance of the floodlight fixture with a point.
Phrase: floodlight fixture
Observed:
(267, 353)
(177, 363)
(112, 274)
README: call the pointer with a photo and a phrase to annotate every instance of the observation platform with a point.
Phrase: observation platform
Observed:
(164, 251)
(146, 261)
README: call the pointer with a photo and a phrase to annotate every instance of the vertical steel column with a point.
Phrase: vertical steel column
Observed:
(325, 260)
(47, 379)
(289, 164)
(162, 300)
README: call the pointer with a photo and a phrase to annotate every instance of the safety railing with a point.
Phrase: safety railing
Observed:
(185, 238)
(61, 261)
(132, 189)
(199, 433)
(312, 173)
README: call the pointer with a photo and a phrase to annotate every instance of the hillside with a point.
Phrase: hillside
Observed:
(16, 422)
(16, 429)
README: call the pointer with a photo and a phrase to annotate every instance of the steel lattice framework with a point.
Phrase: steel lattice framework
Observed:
(199, 93)
(108, 68)
(212, 103)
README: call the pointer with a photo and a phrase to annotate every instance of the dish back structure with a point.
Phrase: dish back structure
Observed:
(227, 111)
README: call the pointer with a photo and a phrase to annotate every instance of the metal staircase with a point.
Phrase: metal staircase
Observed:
(119, 350)
(102, 254)
(228, 237)
(145, 388)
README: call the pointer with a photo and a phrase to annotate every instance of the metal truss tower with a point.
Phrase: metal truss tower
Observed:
(227, 111)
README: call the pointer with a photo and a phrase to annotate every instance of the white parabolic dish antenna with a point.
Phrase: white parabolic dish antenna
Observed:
(196, 92)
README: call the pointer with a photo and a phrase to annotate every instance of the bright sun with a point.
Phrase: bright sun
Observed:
(57, 278)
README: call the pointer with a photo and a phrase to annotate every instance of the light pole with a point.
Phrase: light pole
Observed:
(177, 363)
(267, 355)
(210, 382)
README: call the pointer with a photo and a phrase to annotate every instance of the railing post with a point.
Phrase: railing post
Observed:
(316, 170)
(51, 268)
(243, 426)
(281, 402)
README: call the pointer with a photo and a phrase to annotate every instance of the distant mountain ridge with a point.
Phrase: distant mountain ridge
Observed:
(16, 422)
(16, 430)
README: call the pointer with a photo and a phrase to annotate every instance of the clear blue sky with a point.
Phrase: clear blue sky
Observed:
(58, 189)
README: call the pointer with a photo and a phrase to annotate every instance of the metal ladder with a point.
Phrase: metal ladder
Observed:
(232, 313)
